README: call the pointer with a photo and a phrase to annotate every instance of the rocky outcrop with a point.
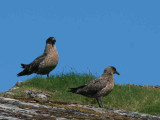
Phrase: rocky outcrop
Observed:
(13, 109)
(37, 95)
(38, 106)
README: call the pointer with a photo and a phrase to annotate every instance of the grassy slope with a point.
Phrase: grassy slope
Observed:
(127, 97)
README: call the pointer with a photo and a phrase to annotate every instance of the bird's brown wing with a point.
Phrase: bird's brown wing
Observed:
(93, 87)
(35, 64)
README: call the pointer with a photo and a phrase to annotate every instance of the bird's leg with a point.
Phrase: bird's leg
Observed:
(47, 75)
(41, 75)
(98, 102)
(101, 102)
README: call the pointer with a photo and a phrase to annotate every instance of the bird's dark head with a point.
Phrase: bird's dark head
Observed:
(51, 40)
(111, 70)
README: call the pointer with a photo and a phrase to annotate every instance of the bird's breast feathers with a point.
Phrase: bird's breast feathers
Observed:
(107, 89)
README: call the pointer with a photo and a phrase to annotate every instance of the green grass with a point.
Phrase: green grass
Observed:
(126, 97)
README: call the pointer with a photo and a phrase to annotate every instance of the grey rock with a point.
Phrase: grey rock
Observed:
(2, 117)
(31, 93)
(18, 110)
(13, 88)
(19, 83)
(37, 96)
(61, 119)
(42, 96)
(7, 94)
(135, 114)
(16, 86)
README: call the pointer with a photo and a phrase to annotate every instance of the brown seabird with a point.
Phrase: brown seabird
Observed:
(45, 63)
(98, 88)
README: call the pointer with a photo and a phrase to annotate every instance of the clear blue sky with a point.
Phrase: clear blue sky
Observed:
(91, 35)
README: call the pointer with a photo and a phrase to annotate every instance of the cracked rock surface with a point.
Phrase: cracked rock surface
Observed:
(21, 109)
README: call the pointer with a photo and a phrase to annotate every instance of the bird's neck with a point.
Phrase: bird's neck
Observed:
(107, 75)
(49, 48)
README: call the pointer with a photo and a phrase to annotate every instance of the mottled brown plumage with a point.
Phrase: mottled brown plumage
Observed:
(98, 88)
(45, 63)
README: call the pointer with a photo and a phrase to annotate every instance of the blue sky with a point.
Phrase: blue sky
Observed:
(90, 34)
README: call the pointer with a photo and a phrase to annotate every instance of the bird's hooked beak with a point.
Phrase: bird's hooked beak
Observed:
(117, 73)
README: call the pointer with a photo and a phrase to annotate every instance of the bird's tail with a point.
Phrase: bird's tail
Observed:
(25, 71)
(21, 73)
(75, 90)
(23, 65)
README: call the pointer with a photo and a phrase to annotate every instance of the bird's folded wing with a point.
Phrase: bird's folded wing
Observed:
(95, 86)
(35, 64)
